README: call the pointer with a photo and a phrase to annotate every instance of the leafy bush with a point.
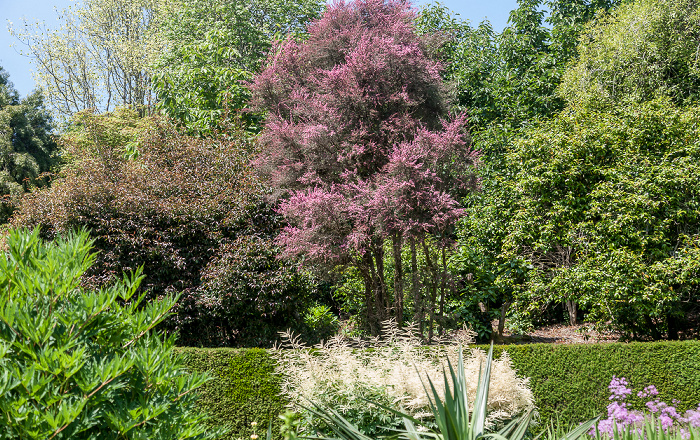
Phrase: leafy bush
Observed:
(607, 211)
(320, 323)
(248, 295)
(79, 363)
(188, 210)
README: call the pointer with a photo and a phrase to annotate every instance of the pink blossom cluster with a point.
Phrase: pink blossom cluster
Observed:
(356, 136)
(621, 417)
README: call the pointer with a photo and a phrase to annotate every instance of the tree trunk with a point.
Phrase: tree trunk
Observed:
(443, 289)
(433, 283)
(382, 294)
(416, 289)
(398, 279)
(367, 272)
(502, 318)
(572, 310)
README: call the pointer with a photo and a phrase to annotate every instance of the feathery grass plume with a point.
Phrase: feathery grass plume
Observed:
(341, 373)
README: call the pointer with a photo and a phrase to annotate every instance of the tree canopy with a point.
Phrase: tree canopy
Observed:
(355, 136)
(644, 50)
(212, 48)
(99, 57)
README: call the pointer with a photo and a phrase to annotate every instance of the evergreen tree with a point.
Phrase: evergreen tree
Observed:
(27, 149)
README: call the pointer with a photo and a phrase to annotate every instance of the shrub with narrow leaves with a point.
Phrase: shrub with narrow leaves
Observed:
(86, 364)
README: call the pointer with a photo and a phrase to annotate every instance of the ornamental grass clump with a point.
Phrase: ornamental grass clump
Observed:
(457, 417)
(390, 371)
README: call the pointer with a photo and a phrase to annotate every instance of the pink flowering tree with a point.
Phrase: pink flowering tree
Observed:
(358, 144)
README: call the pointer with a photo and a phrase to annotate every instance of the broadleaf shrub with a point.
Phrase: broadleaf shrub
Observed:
(186, 209)
(80, 363)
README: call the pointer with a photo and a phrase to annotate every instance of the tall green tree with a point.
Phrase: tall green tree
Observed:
(27, 148)
(644, 50)
(212, 47)
(607, 210)
(505, 82)
(510, 78)
(605, 192)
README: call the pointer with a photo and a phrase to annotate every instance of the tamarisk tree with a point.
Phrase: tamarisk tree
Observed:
(358, 144)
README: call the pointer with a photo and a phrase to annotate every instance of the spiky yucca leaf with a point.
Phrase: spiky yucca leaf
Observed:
(452, 417)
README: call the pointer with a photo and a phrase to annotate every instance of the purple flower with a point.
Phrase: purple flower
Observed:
(621, 417)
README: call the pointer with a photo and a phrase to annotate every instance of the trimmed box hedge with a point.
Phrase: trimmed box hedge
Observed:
(568, 381)
(244, 388)
(571, 381)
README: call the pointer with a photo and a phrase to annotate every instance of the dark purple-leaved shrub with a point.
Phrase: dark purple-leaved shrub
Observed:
(358, 144)
(186, 209)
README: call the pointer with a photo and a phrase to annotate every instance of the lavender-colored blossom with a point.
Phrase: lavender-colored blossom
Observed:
(621, 417)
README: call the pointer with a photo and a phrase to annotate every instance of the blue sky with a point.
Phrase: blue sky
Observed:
(19, 67)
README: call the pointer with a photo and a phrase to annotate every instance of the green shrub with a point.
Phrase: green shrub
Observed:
(189, 210)
(320, 323)
(79, 364)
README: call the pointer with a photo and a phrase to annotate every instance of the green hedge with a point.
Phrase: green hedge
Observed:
(572, 380)
(568, 380)
(243, 390)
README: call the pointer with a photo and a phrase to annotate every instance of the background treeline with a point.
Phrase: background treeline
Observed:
(583, 204)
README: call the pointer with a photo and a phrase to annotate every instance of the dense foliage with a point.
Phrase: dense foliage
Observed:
(178, 206)
(607, 212)
(644, 50)
(371, 115)
(27, 149)
(569, 382)
(354, 136)
(212, 47)
(81, 363)
(496, 234)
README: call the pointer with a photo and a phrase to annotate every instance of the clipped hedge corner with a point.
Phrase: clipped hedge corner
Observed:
(243, 389)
